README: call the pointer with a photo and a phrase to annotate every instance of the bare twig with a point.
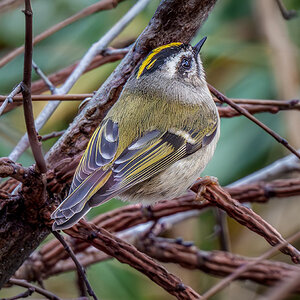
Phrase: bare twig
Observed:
(252, 105)
(78, 71)
(9, 98)
(244, 112)
(37, 289)
(49, 84)
(67, 97)
(26, 91)
(243, 268)
(262, 191)
(77, 263)
(221, 229)
(281, 103)
(39, 86)
(6, 5)
(99, 6)
(52, 135)
(287, 14)
(23, 295)
(229, 112)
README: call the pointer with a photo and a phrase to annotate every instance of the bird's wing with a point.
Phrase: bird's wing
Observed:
(145, 157)
(100, 151)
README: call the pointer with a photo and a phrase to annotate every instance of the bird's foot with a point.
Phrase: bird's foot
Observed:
(203, 182)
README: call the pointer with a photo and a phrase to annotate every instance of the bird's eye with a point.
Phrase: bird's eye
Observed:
(186, 63)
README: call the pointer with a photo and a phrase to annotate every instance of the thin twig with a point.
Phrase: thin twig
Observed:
(244, 112)
(99, 6)
(102, 43)
(23, 295)
(275, 105)
(285, 103)
(37, 289)
(95, 49)
(243, 268)
(26, 91)
(39, 86)
(52, 135)
(38, 71)
(77, 263)
(6, 5)
(287, 14)
(229, 112)
(9, 98)
(222, 229)
(67, 97)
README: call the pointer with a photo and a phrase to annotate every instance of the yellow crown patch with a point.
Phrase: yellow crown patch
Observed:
(148, 61)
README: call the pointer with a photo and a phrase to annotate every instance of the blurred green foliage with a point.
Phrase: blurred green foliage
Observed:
(237, 61)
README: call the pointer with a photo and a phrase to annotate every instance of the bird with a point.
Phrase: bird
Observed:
(154, 142)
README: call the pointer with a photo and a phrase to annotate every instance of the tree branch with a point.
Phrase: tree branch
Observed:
(287, 14)
(127, 253)
(244, 112)
(26, 91)
(9, 98)
(37, 289)
(79, 267)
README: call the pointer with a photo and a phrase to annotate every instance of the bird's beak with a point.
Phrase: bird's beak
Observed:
(199, 45)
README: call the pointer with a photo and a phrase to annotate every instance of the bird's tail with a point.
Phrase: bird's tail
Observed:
(76, 205)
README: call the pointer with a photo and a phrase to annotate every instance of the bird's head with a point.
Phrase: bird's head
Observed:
(175, 62)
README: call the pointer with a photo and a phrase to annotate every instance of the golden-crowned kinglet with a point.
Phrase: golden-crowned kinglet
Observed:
(154, 142)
